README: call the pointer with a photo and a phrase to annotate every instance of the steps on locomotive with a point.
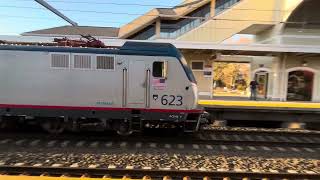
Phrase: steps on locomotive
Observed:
(136, 120)
(191, 124)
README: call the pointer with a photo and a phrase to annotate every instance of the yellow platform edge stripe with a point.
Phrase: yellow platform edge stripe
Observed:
(270, 104)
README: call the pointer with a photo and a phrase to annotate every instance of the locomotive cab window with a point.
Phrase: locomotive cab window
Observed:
(159, 69)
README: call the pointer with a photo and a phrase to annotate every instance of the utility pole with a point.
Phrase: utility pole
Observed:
(55, 11)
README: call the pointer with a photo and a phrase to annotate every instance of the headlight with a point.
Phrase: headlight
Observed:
(195, 95)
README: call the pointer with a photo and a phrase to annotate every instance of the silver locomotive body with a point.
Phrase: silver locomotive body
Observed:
(139, 85)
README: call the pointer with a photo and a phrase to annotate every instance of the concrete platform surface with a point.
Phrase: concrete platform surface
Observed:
(262, 104)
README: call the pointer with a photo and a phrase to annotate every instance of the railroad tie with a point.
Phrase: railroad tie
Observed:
(167, 178)
(146, 178)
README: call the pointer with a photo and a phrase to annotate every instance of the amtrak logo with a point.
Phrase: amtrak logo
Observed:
(155, 97)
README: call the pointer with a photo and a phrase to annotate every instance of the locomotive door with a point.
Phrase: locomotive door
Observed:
(137, 83)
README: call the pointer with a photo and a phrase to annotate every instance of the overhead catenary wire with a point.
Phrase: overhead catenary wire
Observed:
(32, 18)
(174, 26)
(155, 5)
(45, 19)
(106, 12)
(102, 3)
(167, 16)
(133, 4)
(213, 28)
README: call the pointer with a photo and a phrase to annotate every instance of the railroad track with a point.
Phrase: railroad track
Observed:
(145, 174)
(167, 160)
(252, 135)
(207, 134)
(229, 154)
(311, 150)
(205, 141)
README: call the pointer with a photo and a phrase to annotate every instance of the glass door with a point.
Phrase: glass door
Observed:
(262, 79)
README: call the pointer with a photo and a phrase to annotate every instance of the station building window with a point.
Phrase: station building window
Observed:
(174, 29)
(197, 65)
(231, 79)
(222, 5)
(300, 85)
(148, 33)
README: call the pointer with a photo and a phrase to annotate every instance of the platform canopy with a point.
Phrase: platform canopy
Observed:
(240, 48)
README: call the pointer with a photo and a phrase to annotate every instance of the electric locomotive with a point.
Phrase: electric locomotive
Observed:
(139, 85)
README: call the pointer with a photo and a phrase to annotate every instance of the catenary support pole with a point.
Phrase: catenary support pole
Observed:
(55, 11)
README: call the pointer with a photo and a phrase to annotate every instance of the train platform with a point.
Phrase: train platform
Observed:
(259, 104)
(261, 110)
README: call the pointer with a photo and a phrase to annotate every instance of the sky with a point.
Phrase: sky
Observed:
(18, 16)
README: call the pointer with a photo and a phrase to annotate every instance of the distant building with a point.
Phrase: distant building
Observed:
(99, 32)
(290, 25)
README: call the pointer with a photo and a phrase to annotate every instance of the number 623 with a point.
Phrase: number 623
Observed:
(172, 100)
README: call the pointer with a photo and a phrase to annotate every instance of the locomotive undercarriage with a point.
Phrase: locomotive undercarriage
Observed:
(124, 126)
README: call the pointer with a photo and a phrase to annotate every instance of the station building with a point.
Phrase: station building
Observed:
(280, 40)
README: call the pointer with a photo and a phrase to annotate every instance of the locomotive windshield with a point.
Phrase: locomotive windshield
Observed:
(188, 70)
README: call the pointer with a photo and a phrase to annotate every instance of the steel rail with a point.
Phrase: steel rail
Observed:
(138, 173)
(187, 139)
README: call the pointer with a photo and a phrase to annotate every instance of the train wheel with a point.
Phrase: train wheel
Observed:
(3, 123)
(8, 122)
(54, 126)
(124, 128)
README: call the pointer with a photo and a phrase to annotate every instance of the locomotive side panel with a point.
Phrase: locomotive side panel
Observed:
(28, 78)
(168, 83)
(171, 90)
(123, 89)
(157, 83)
